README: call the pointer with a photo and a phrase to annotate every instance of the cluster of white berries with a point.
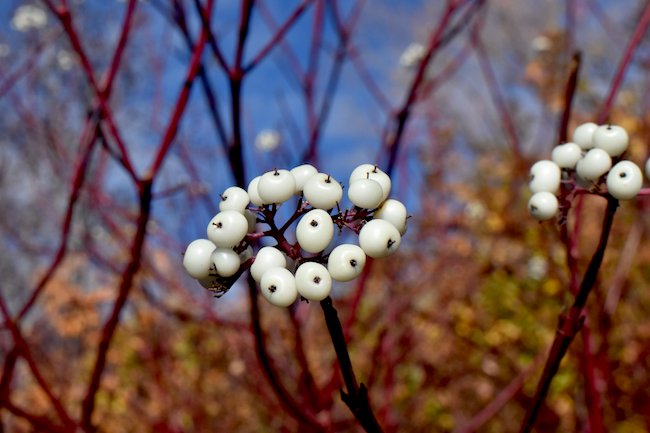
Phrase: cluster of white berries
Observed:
(593, 158)
(307, 267)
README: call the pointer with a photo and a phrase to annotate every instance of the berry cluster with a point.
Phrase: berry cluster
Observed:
(592, 161)
(306, 267)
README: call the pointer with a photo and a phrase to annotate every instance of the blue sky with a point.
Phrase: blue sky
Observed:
(151, 78)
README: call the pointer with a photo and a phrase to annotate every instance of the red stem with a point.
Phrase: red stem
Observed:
(208, 90)
(216, 51)
(437, 39)
(181, 101)
(570, 322)
(316, 118)
(110, 326)
(145, 197)
(293, 407)
(278, 36)
(569, 96)
(80, 172)
(308, 384)
(500, 400)
(497, 96)
(593, 399)
(88, 138)
(64, 16)
(23, 347)
(24, 69)
(39, 423)
(631, 47)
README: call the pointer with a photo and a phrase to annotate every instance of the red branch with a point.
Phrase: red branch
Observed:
(569, 93)
(631, 47)
(500, 400)
(570, 322)
(442, 34)
(80, 171)
(145, 196)
(88, 137)
(279, 35)
(294, 408)
(497, 96)
(109, 328)
(23, 348)
(64, 16)
(588, 367)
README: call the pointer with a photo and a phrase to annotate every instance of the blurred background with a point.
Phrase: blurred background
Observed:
(122, 122)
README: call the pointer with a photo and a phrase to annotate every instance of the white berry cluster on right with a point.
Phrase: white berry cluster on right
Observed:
(593, 160)
(307, 267)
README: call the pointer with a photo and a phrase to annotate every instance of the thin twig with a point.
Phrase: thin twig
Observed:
(65, 17)
(626, 60)
(307, 382)
(588, 366)
(279, 35)
(145, 197)
(293, 408)
(25, 352)
(504, 396)
(571, 321)
(569, 94)
(443, 34)
(88, 137)
(109, 328)
(497, 96)
(208, 89)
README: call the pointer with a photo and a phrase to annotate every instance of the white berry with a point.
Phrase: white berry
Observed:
(543, 205)
(266, 258)
(196, 259)
(583, 135)
(251, 218)
(371, 171)
(346, 262)
(227, 228)
(315, 230)
(234, 198)
(322, 191)
(361, 172)
(278, 286)
(365, 193)
(624, 180)
(246, 254)
(647, 168)
(276, 186)
(253, 193)
(594, 164)
(379, 238)
(612, 139)
(302, 174)
(225, 261)
(566, 155)
(313, 281)
(394, 212)
(544, 176)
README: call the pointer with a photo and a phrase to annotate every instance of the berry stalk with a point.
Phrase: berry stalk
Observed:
(356, 397)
